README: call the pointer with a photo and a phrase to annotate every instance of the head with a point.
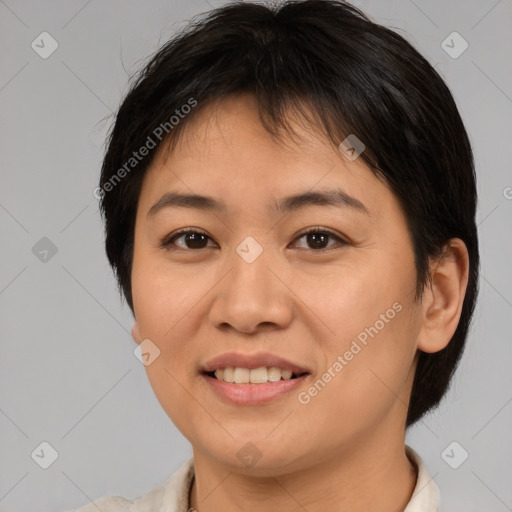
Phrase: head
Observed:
(252, 104)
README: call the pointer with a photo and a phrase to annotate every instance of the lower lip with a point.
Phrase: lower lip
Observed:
(253, 394)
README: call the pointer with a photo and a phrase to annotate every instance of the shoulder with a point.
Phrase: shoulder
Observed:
(164, 495)
(106, 504)
(145, 503)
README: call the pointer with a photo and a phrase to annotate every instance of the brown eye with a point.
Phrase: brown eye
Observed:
(318, 238)
(192, 239)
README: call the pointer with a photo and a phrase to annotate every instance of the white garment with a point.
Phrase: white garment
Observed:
(172, 495)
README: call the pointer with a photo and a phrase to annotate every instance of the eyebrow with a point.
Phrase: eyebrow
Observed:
(335, 197)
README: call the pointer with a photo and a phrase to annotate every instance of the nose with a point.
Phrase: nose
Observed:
(252, 297)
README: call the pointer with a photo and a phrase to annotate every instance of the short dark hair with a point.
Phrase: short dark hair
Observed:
(328, 58)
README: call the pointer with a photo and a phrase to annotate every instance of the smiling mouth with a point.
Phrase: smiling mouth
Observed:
(261, 375)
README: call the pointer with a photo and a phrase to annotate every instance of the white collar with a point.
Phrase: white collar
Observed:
(425, 497)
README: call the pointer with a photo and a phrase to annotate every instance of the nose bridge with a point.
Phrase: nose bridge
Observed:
(250, 273)
(251, 294)
(250, 265)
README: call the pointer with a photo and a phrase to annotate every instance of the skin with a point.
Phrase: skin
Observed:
(344, 450)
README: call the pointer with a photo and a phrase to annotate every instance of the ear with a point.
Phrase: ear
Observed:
(136, 334)
(443, 297)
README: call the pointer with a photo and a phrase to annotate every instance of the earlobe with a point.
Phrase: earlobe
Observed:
(444, 296)
(136, 334)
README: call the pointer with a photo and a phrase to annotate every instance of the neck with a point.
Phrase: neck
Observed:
(370, 476)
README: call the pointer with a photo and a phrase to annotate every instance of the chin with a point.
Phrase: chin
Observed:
(252, 454)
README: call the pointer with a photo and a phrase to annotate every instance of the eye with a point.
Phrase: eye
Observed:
(193, 239)
(318, 236)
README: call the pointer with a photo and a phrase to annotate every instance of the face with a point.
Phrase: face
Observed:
(323, 290)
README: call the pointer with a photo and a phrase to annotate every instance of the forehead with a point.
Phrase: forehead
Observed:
(227, 152)
(222, 127)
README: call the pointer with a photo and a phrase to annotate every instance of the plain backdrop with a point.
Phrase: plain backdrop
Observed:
(68, 374)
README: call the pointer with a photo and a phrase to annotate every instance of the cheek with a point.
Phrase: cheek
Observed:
(377, 356)
(161, 305)
(171, 390)
(161, 302)
(374, 322)
(160, 297)
(369, 381)
(349, 297)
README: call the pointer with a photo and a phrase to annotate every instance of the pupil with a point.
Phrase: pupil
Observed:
(198, 240)
(195, 238)
(317, 239)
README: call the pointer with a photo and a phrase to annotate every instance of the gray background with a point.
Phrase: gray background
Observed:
(68, 374)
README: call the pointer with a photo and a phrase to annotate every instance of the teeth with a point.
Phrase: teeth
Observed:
(259, 375)
(274, 374)
(255, 376)
(219, 374)
(242, 375)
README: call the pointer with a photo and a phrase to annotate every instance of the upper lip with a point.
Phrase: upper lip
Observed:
(251, 361)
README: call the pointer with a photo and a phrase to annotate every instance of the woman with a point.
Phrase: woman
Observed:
(289, 201)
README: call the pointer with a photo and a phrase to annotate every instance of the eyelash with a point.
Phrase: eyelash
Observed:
(168, 242)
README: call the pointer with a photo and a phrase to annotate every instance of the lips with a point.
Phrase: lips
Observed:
(292, 376)
(252, 361)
